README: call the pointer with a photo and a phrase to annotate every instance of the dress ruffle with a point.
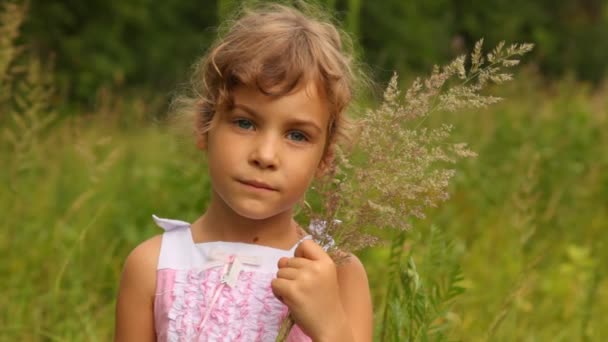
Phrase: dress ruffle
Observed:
(247, 312)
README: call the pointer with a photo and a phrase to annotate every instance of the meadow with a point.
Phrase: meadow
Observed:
(526, 222)
(516, 254)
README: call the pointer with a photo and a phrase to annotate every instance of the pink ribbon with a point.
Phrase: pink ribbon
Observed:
(233, 265)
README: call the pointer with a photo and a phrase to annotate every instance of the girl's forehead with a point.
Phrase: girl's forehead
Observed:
(303, 100)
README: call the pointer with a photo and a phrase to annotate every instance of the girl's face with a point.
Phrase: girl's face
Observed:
(264, 151)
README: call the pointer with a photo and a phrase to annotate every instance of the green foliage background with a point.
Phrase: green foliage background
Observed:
(517, 254)
(150, 44)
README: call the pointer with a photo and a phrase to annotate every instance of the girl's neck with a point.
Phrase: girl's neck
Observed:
(221, 223)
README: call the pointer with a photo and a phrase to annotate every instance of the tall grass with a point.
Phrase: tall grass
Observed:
(518, 253)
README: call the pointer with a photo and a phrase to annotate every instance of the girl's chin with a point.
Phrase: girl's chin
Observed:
(256, 215)
(259, 214)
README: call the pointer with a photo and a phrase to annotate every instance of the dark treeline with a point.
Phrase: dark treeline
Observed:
(148, 44)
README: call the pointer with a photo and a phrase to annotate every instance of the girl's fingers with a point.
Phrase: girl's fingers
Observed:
(311, 250)
(280, 288)
(287, 273)
(293, 262)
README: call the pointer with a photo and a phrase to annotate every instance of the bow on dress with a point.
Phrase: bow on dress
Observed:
(233, 265)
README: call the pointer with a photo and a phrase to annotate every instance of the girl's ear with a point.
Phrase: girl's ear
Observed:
(201, 141)
(320, 170)
(323, 167)
(326, 162)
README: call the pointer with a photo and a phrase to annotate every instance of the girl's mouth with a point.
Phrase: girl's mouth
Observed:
(257, 184)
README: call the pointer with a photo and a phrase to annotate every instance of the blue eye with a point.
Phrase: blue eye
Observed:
(297, 136)
(243, 123)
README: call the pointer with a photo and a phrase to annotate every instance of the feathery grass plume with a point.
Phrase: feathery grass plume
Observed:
(29, 115)
(524, 218)
(525, 198)
(11, 18)
(398, 169)
(522, 285)
(25, 93)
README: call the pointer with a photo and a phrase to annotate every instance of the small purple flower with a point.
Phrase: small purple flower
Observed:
(318, 229)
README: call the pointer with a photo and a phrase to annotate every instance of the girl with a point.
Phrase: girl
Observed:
(269, 108)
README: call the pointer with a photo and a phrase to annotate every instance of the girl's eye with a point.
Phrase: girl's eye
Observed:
(243, 123)
(297, 136)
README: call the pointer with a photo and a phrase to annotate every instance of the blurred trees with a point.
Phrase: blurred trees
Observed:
(142, 43)
(570, 36)
(150, 44)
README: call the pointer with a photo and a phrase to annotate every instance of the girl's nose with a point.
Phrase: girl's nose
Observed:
(264, 153)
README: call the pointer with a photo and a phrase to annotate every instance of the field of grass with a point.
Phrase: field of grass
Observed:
(527, 220)
(517, 254)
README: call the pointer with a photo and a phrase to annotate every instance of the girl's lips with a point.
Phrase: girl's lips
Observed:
(257, 184)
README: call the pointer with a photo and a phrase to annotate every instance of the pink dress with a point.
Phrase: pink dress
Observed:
(217, 291)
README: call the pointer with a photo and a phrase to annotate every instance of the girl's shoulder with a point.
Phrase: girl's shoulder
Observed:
(140, 266)
(355, 294)
(138, 280)
(146, 253)
(351, 268)
(136, 293)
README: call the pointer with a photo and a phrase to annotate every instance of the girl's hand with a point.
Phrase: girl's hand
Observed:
(308, 285)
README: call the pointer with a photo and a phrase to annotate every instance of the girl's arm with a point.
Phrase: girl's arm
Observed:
(135, 303)
(356, 299)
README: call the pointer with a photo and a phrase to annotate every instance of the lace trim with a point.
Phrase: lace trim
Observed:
(235, 307)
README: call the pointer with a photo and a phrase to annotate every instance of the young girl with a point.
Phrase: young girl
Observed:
(269, 107)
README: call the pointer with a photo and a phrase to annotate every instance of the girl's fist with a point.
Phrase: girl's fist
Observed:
(308, 285)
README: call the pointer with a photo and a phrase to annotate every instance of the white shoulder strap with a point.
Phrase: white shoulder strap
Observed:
(168, 224)
(177, 251)
(307, 237)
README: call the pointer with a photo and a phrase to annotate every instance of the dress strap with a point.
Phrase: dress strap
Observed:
(169, 224)
(307, 237)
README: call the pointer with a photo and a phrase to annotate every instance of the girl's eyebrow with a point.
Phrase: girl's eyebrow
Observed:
(295, 121)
